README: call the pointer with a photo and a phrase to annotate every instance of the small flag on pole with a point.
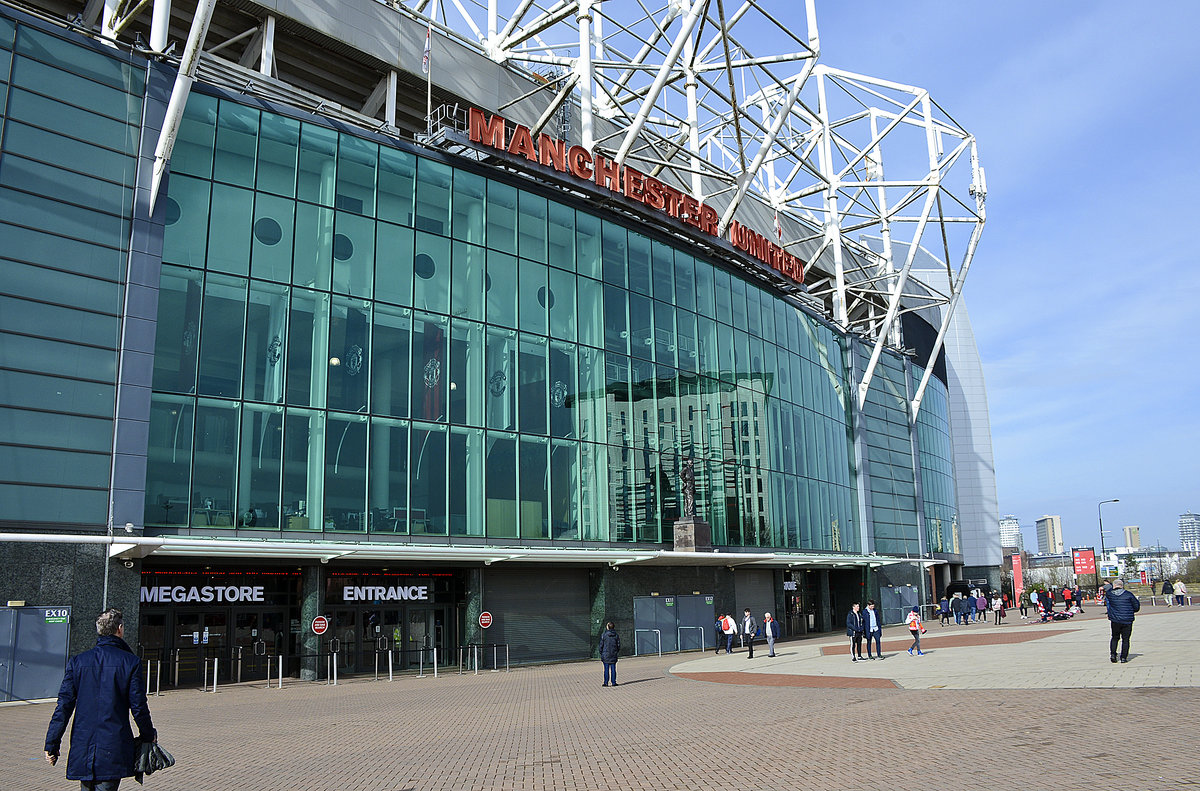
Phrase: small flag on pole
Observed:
(778, 227)
(428, 49)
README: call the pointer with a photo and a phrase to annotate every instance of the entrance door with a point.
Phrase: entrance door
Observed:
(199, 638)
(426, 631)
(381, 632)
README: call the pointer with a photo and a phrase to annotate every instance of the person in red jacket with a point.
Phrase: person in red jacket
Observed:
(1066, 594)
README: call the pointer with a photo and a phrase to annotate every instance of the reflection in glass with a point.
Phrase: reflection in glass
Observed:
(260, 467)
(534, 483)
(346, 473)
(266, 339)
(466, 482)
(222, 322)
(215, 463)
(467, 382)
(168, 464)
(501, 485)
(429, 368)
(389, 476)
(427, 479)
(303, 469)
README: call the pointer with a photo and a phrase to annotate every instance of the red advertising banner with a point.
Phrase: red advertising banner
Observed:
(1085, 561)
(1018, 582)
(1145, 577)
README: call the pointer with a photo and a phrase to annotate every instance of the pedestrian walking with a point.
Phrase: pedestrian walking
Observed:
(913, 621)
(729, 628)
(1079, 599)
(718, 635)
(1024, 601)
(1068, 597)
(944, 610)
(1168, 590)
(873, 629)
(101, 687)
(958, 606)
(610, 647)
(771, 632)
(981, 604)
(749, 630)
(997, 608)
(1121, 606)
(972, 608)
(854, 630)
(1180, 591)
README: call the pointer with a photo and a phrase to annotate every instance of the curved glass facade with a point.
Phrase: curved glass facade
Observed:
(356, 337)
(937, 467)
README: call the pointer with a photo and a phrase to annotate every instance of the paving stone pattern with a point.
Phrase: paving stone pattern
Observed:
(555, 727)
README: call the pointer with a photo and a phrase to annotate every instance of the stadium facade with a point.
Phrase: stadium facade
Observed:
(318, 333)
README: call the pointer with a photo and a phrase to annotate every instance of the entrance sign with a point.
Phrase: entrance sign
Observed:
(374, 593)
(178, 594)
(320, 625)
(485, 619)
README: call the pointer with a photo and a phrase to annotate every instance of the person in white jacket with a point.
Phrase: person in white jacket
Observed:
(913, 621)
(1180, 591)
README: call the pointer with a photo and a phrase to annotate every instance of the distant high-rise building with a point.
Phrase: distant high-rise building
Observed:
(1010, 532)
(1133, 536)
(1049, 535)
(1189, 532)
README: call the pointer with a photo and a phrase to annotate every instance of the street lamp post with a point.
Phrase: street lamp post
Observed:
(1100, 518)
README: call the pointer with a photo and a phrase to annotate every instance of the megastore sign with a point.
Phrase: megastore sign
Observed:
(179, 594)
(493, 131)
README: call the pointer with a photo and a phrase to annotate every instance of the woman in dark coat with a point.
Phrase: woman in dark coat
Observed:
(610, 646)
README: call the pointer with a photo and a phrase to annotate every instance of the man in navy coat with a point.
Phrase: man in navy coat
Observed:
(101, 687)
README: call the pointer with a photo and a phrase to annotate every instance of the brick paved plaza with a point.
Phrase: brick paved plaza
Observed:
(1045, 713)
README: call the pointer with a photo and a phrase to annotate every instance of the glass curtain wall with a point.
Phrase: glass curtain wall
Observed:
(70, 119)
(890, 459)
(405, 346)
(936, 452)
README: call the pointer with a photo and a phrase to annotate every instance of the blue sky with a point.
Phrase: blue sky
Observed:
(1085, 292)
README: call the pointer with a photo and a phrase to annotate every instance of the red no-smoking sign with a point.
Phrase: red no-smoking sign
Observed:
(485, 619)
(320, 624)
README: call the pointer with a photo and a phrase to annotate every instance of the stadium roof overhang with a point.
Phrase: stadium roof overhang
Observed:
(216, 548)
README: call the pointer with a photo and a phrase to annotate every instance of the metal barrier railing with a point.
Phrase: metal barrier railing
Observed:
(471, 651)
(279, 657)
(679, 637)
(657, 634)
(157, 665)
(216, 665)
(495, 661)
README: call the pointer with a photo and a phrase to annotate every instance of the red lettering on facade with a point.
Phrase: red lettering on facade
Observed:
(553, 152)
(492, 131)
(486, 131)
(690, 211)
(635, 184)
(608, 173)
(522, 143)
(580, 162)
(671, 198)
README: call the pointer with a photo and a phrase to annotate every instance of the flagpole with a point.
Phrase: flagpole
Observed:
(428, 64)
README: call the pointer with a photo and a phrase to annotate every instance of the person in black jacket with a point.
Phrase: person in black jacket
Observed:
(101, 687)
(610, 646)
(1168, 590)
(1121, 606)
(854, 630)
